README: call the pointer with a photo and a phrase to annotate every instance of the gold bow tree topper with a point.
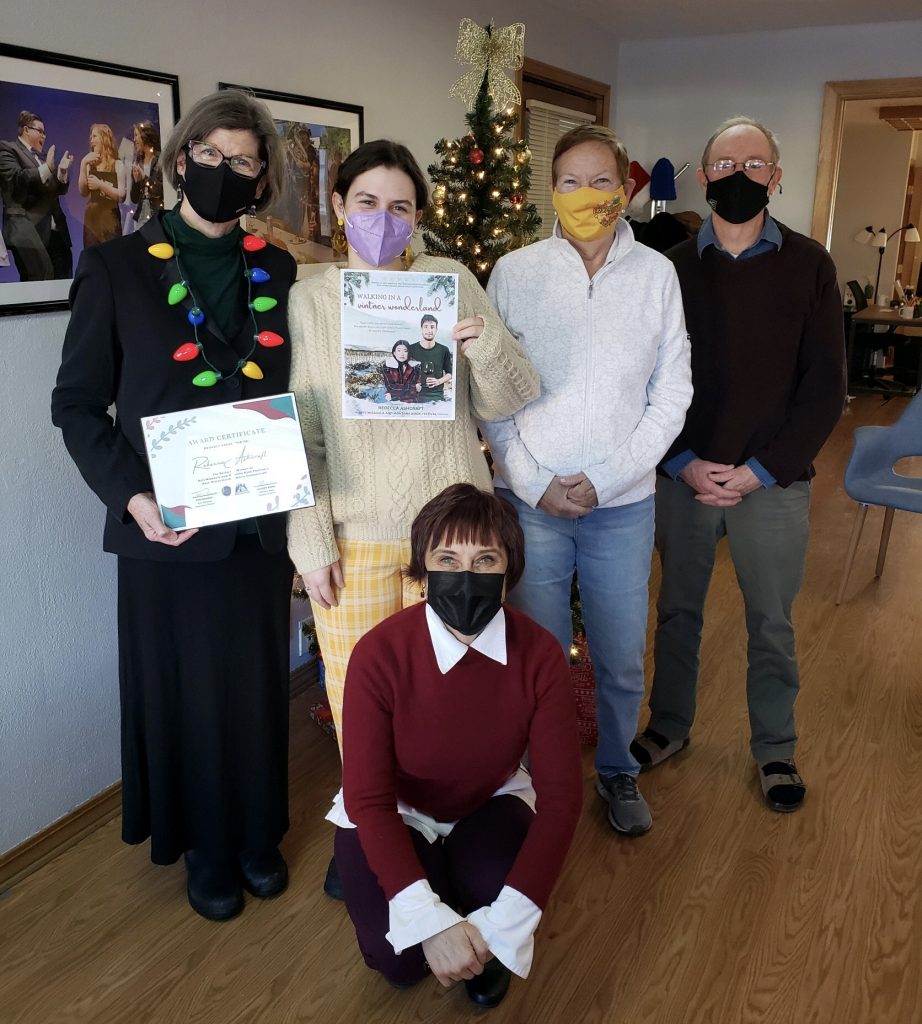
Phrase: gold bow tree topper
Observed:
(490, 50)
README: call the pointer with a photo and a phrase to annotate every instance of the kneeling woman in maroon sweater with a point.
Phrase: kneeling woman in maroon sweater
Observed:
(447, 848)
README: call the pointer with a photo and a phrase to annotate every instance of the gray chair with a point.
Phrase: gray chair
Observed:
(870, 480)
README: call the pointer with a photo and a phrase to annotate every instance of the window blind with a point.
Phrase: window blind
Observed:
(544, 125)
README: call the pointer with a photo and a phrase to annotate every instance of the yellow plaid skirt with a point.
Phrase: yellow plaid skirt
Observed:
(375, 588)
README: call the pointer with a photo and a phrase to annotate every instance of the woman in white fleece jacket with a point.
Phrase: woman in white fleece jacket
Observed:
(600, 317)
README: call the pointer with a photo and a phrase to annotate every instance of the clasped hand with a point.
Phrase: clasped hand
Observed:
(569, 497)
(718, 484)
(456, 954)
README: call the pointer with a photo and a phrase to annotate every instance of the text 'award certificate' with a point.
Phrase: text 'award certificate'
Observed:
(228, 462)
(398, 350)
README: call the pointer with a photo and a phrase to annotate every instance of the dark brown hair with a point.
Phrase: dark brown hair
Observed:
(464, 514)
(382, 153)
(26, 117)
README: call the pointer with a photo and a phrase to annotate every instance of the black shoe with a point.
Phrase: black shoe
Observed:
(490, 986)
(332, 885)
(264, 872)
(212, 886)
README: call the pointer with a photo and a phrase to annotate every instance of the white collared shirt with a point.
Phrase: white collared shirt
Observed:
(416, 912)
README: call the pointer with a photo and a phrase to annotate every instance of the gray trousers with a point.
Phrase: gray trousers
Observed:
(767, 533)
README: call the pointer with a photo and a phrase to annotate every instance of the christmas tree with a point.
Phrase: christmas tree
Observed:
(480, 210)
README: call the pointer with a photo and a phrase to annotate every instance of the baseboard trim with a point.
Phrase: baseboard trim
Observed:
(62, 834)
(44, 846)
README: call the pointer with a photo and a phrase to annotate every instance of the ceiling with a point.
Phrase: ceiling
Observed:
(661, 19)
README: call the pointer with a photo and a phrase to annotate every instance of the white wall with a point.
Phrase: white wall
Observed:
(672, 93)
(871, 189)
(58, 671)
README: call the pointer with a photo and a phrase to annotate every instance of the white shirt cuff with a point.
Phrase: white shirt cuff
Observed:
(416, 913)
(508, 928)
(44, 173)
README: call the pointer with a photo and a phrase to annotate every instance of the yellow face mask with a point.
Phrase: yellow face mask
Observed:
(589, 213)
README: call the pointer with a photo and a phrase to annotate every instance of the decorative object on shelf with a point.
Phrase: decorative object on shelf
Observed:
(480, 209)
(69, 93)
(880, 238)
(318, 136)
(491, 51)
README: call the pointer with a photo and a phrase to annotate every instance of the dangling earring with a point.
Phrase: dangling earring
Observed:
(251, 210)
(179, 188)
(338, 241)
(422, 592)
(406, 258)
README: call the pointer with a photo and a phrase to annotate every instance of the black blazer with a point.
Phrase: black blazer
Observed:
(119, 349)
(26, 197)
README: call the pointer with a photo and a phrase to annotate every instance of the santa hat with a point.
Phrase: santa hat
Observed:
(641, 196)
(662, 180)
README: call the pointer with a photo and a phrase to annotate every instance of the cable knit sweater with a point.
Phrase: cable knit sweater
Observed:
(371, 477)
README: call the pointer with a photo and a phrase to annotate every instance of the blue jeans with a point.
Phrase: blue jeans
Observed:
(610, 549)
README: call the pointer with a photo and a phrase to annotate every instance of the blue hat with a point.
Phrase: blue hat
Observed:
(662, 180)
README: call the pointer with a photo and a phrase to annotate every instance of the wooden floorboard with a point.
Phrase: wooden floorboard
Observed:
(723, 913)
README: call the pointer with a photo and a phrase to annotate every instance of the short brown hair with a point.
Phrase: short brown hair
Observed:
(26, 117)
(233, 110)
(592, 133)
(463, 513)
(735, 122)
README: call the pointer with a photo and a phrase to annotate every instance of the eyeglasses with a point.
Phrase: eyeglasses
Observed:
(752, 166)
(33, 128)
(206, 155)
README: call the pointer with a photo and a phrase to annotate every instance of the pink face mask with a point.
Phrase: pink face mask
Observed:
(378, 236)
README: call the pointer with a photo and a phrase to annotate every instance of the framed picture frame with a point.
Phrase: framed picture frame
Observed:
(81, 114)
(319, 135)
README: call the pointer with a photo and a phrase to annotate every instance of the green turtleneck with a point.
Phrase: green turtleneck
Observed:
(213, 267)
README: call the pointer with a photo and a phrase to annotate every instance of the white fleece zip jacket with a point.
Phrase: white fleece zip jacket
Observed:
(614, 361)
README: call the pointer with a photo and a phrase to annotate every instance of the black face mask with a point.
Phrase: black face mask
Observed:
(736, 198)
(466, 601)
(216, 193)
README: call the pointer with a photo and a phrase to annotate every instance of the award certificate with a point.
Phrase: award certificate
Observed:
(223, 463)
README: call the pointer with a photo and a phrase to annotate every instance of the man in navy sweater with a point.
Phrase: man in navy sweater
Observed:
(765, 321)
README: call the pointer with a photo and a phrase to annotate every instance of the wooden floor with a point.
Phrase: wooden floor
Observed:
(724, 913)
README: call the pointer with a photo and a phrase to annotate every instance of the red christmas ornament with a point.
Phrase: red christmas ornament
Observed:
(517, 198)
(469, 140)
(476, 156)
(269, 339)
(186, 352)
(252, 243)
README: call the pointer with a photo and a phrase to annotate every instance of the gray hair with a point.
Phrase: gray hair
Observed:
(233, 110)
(749, 122)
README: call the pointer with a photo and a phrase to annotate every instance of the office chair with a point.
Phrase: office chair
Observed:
(870, 480)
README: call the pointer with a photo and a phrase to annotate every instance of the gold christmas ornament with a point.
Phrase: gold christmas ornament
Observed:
(490, 51)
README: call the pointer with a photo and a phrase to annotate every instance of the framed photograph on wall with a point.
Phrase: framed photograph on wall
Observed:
(318, 135)
(79, 164)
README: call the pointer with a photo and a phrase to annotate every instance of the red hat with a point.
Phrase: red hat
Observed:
(641, 196)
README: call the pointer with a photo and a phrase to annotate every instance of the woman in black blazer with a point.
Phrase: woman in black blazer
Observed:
(202, 614)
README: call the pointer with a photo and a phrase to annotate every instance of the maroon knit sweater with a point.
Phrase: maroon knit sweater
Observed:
(767, 355)
(445, 743)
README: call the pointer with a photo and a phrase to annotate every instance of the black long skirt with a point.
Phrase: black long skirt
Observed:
(203, 675)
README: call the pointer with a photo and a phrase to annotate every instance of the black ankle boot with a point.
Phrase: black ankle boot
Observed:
(490, 986)
(212, 886)
(264, 872)
(332, 885)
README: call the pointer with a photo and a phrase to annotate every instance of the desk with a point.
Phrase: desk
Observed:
(892, 319)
